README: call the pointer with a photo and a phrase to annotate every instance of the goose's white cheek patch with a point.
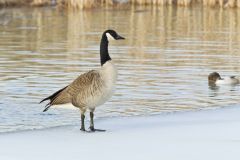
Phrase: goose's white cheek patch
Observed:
(109, 37)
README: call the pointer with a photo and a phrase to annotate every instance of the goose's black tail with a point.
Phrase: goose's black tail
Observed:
(51, 98)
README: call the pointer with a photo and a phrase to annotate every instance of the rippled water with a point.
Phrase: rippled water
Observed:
(163, 63)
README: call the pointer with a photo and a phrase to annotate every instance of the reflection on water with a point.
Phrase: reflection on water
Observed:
(163, 64)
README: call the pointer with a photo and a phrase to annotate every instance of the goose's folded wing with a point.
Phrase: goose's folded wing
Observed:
(86, 81)
(86, 84)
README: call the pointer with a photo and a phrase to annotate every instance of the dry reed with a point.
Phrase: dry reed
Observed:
(13, 2)
(26, 2)
(40, 2)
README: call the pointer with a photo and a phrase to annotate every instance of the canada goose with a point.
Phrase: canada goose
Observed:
(215, 79)
(90, 89)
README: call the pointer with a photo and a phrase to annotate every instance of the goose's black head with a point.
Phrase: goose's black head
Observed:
(213, 77)
(106, 37)
(111, 35)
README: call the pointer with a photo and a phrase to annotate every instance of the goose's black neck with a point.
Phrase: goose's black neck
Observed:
(104, 50)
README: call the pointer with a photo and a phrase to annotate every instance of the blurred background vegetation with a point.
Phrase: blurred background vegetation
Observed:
(86, 4)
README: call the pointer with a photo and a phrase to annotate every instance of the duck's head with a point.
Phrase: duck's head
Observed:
(111, 35)
(213, 77)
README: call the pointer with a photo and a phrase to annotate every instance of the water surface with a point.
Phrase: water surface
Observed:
(163, 63)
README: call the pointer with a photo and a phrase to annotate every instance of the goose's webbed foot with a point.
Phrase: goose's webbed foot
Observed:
(92, 129)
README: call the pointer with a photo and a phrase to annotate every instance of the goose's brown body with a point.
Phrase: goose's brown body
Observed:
(89, 90)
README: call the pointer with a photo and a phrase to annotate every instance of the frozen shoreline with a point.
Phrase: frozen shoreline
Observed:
(210, 134)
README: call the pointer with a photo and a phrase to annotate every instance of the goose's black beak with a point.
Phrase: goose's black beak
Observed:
(119, 37)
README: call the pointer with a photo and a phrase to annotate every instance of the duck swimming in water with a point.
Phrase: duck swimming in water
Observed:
(215, 79)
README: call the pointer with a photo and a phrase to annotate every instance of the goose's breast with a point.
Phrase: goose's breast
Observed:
(108, 74)
(109, 77)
